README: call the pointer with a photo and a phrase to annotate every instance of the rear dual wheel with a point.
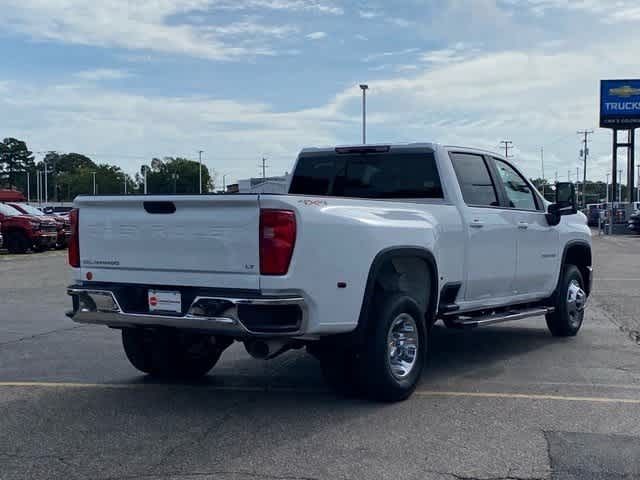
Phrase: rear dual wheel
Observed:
(170, 353)
(389, 365)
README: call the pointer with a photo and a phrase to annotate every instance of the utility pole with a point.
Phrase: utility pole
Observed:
(507, 144)
(578, 185)
(364, 87)
(94, 182)
(542, 164)
(200, 169)
(264, 168)
(125, 183)
(584, 153)
(607, 194)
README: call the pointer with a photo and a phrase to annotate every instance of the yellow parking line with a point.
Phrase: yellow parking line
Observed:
(232, 388)
(526, 396)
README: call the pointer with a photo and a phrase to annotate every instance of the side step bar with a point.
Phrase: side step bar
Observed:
(471, 322)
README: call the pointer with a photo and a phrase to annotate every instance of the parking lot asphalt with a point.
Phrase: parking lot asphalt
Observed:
(499, 402)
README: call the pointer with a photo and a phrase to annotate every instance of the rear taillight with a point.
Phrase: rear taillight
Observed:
(277, 239)
(74, 240)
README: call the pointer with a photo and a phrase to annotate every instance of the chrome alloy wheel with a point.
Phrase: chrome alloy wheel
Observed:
(402, 345)
(576, 303)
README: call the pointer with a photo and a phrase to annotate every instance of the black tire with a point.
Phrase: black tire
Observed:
(381, 380)
(170, 353)
(17, 243)
(567, 318)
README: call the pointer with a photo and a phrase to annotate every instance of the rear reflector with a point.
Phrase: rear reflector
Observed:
(277, 239)
(74, 240)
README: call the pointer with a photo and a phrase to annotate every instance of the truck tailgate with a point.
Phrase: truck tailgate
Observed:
(207, 241)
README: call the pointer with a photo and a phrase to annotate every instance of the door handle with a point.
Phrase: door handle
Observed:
(523, 225)
(476, 224)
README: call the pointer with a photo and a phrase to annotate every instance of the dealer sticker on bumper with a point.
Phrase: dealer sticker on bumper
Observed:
(165, 301)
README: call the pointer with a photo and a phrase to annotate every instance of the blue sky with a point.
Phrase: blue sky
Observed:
(124, 81)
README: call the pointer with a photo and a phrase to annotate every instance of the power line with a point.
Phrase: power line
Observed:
(507, 144)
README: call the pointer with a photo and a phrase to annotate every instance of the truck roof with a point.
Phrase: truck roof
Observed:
(398, 146)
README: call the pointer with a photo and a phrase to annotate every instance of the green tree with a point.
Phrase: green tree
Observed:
(61, 168)
(15, 158)
(175, 175)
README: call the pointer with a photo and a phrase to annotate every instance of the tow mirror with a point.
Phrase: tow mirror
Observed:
(565, 202)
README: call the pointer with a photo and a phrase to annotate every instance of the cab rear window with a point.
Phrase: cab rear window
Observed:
(367, 175)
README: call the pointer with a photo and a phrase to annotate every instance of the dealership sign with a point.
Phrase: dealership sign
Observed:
(620, 104)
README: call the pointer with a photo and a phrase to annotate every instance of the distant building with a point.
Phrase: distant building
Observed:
(265, 185)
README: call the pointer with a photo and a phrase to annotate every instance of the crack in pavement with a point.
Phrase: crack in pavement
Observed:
(464, 477)
(57, 458)
(212, 473)
(43, 334)
(194, 440)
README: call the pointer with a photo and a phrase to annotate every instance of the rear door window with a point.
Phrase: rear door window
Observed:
(474, 179)
(370, 175)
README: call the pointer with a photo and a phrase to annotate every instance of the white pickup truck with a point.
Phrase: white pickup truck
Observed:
(372, 245)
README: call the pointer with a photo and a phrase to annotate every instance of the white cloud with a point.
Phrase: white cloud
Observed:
(166, 26)
(316, 35)
(395, 53)
(368, 14)
(102, 74)
(609, 11)
(455, 53)
(290, 5)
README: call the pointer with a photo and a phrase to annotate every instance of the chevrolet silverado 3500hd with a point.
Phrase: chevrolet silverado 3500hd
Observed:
(372, 245)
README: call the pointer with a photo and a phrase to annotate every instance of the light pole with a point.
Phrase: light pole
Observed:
(94, 182)
(224, 183)
(29, 187)
(608, 187)
(38, 185)
(200, 169)
(46, 190)
(144, 170)
(638, 186)
(620, 185)
(174, 176)
(125, 183)
(364, 87)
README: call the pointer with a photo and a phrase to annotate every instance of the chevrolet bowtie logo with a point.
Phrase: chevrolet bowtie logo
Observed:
(625, 92)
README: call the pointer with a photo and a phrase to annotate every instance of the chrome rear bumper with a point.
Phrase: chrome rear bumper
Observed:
(101, 307)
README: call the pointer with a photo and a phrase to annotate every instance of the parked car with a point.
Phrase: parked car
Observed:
(593, 213)
(23, 232)
(372, 245)
(634, 222)
(63, 225)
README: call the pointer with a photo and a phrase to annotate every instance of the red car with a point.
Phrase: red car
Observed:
(23, 232)
(63, 225)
